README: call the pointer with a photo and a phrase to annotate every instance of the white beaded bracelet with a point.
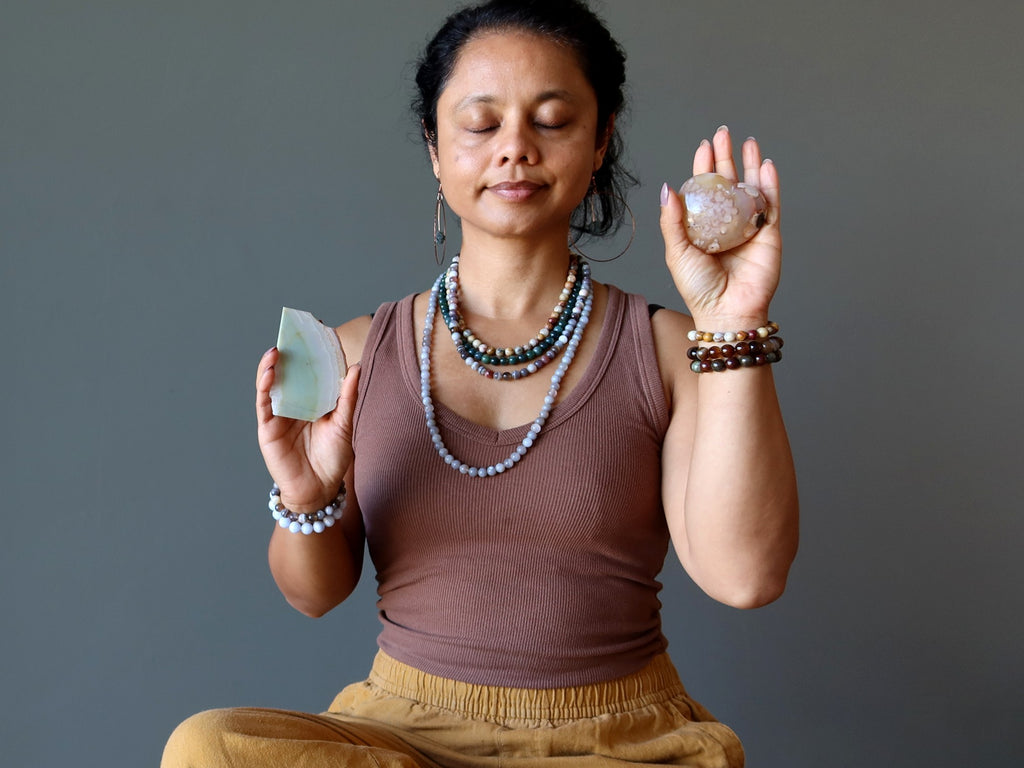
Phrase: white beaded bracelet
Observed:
(306, 522)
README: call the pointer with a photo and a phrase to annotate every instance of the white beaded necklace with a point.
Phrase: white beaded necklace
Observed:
(575, 327)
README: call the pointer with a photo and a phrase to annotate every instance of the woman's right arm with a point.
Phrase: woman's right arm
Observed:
(309, 461)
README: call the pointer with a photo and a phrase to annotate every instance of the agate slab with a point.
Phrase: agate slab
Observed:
(721, 213)
(309, 369)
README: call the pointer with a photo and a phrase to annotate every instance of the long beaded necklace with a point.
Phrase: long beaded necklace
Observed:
(574, 334)
(542, 349)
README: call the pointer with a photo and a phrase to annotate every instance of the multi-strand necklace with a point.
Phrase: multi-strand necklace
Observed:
(574, 309)
(534, 354)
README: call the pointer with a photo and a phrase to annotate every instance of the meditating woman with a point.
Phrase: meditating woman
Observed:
(518, 445)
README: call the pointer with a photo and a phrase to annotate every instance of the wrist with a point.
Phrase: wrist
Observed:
(306, 521)
(305, 504)
(729, 322)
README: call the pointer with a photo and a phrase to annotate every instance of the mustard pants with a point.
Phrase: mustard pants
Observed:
(403, 717)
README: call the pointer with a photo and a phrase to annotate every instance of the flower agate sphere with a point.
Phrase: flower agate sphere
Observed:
(721, 214)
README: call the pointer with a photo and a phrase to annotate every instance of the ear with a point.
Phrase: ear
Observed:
(433, 160)
(603, 140)
(432, 151)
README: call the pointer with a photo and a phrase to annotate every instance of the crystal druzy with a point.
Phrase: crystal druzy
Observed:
(720, 213)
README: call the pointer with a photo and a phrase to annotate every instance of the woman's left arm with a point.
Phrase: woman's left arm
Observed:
(729, 487)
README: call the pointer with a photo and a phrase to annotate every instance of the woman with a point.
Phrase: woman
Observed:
(518, 519)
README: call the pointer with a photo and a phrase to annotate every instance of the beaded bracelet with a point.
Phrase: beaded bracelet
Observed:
(771, 344)
(306, 522)
(768, 329)
(729, 357)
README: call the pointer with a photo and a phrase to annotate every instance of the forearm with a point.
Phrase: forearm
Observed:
(316, 572)
(738, 529)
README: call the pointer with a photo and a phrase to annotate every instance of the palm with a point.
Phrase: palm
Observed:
(308, 460)
(739, 282)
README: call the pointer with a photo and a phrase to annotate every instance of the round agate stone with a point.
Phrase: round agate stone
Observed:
(721, 214)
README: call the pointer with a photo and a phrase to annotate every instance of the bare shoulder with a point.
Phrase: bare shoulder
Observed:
(352, 336)
(670, 329)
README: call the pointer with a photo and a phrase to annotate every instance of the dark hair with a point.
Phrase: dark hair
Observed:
(568, 22)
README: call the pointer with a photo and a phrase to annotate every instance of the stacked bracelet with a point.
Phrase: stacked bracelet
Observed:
(729, 357)
(768, 329)
(744, 349)
(306, 522)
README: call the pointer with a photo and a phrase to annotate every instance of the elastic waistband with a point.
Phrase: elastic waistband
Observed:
(656, 683)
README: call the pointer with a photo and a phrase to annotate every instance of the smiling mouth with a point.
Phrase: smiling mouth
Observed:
(515, 190)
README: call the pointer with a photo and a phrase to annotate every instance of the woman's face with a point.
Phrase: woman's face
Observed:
(517, 136)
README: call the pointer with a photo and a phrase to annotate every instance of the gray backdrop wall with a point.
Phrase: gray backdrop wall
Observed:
(171, 173)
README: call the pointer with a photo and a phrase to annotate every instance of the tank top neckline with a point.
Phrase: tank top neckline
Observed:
(409, 354)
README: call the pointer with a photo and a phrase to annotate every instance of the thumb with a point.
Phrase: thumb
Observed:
(347, 395)
(673, 224)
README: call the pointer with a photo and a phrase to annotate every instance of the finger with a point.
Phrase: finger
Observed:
(267, 361)
(673, 218)
(769, 183)
(722, 144)
(264, 380)
(678, 248)
(751, 154)
(347, 395)
(703, 158)
(350, 385)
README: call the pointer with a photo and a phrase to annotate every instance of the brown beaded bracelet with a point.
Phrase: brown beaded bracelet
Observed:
(729, 357)
(768, 329)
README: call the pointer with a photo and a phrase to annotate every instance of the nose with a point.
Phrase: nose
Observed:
(518, 144)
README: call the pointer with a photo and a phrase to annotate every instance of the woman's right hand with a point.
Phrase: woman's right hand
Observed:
(307, 460)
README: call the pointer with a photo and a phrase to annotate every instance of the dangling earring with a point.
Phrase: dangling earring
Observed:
(591, 214)
(440, 227)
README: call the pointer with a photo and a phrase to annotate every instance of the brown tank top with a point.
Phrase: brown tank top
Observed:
(544, 576)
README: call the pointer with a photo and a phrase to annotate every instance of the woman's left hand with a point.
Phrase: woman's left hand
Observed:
(730, 290)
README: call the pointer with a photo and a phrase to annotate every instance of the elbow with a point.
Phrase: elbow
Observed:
(748, 588)
(312, 606)
(749, 597)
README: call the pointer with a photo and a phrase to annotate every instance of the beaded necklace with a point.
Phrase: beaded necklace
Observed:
(536, 353)
(580, 316)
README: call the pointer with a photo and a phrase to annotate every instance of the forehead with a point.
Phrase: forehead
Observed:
(493, 66)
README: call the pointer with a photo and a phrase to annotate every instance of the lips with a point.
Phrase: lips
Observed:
(515, 190)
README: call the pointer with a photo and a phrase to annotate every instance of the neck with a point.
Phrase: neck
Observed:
(511, 280)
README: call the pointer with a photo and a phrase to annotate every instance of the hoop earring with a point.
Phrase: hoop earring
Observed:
(440, 227)
(592, 215)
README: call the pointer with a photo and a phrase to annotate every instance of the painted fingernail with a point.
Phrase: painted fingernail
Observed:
(664, 194)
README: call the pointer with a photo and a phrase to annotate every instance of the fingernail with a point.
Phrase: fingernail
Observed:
(269, 351)
(705, 143)
(751, 138)
(767, 160)
(723, 128)
(664, 194)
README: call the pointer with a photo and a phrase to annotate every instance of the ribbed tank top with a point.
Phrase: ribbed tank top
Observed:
(544, 576)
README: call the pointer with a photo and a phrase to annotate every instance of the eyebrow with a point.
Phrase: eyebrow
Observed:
(484, 98)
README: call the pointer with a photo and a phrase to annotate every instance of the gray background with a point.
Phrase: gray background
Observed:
(172, 173)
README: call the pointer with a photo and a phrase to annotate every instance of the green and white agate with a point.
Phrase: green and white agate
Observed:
(309, 369)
